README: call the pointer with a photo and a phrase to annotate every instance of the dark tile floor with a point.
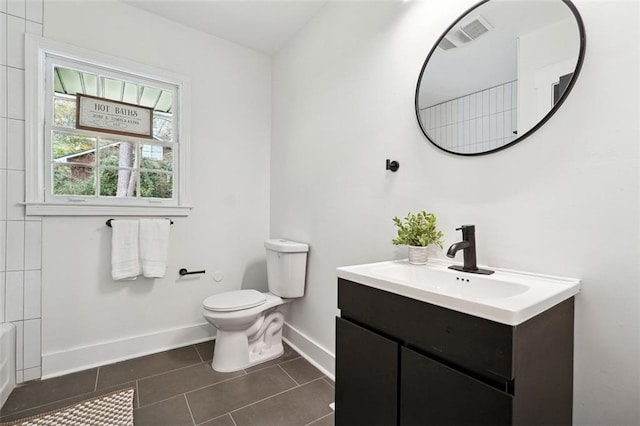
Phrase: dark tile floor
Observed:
(179, 387)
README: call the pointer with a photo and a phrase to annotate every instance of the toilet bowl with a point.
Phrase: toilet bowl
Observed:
(246, 336)
(249, 322)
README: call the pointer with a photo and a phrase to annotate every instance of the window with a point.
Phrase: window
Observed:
(84, 170)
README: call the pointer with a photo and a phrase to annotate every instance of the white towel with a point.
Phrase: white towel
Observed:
(125, 254)
(154, 246)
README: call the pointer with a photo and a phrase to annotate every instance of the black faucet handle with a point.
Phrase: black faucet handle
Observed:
(463, 227)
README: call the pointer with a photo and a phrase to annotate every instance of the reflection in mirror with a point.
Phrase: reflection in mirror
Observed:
(498, 73)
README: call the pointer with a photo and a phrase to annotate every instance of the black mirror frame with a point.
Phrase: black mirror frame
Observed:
(583, 45)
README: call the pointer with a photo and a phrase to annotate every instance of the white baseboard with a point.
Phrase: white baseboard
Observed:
(81, 358)
(321, 358)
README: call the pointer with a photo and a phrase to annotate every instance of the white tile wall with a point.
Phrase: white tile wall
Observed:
(3, 245)
(34, 10)
(15, 93)
(32, 291)
(2, 292)
(15, 247)
(32, 343)
(14, 292)
(3, 90)
(34, 28)
(19, 345)
(3, 199)
(3, 141)
(15, 194)
(32, 245)
(32, 373)
(15, 41)
(20, 237)
(477, 122)
(3, 46)
(15, 144)
(17, 8)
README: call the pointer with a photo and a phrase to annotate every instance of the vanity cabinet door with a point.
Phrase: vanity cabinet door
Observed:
(366, 377)
(434, 394)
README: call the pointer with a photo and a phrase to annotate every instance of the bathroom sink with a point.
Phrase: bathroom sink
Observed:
(508, 297)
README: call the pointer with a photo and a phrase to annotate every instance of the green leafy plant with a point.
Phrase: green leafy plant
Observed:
(417, 230)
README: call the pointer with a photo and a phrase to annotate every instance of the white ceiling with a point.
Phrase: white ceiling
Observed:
(262, 25)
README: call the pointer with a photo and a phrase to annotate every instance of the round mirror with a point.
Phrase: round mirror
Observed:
(499, 73)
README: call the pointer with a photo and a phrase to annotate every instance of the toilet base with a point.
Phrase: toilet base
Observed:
(272, 353)
(235, 350)
(224, 364)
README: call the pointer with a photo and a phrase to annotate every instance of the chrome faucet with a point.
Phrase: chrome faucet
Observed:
(468, 247)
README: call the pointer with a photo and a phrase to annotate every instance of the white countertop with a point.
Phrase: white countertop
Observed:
(508, 297)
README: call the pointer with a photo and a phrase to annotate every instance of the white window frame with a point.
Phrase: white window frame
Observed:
(39, 200)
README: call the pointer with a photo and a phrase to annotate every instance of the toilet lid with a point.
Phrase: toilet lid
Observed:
(234, 300)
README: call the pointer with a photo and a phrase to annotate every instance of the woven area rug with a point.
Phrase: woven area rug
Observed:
(113, 409)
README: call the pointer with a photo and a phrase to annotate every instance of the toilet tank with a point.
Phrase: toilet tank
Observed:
(286, 267)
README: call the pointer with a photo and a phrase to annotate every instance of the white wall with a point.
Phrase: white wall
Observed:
(87, 317)
(539, 55)
(562, 202)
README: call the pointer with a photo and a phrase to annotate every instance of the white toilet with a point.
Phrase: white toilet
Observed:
(249, 322)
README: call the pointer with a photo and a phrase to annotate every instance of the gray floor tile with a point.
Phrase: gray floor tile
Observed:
(205, 349)
(301, 370)
(171, 412)
(324, 421)
(163, 386)
(138, 368)
(331, 382)
(295, 407)
(42, 392)
(220, 421)
(216, 400)
(212, 395)
(288, 355)
(34, 411)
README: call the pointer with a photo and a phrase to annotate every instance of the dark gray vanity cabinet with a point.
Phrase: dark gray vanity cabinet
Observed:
(401, 361)
(369, 376)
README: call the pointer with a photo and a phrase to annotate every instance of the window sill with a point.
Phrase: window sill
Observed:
(63, 209)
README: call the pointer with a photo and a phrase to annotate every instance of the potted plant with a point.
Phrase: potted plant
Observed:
(418, 231)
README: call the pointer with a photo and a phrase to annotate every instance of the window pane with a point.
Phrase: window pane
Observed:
(156, 185)
(70, 82)
(112, 89)
(150, 96)
(116, 153)
(119, 90)
(64, 113)
(73, 180)
(130, 93)
(70, 148)
(90, 83)
(98, 165)
(165, 102)
(162, 127)
(156, 157)
(118, 182)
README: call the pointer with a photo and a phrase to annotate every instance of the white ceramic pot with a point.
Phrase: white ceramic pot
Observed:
(417, 255)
